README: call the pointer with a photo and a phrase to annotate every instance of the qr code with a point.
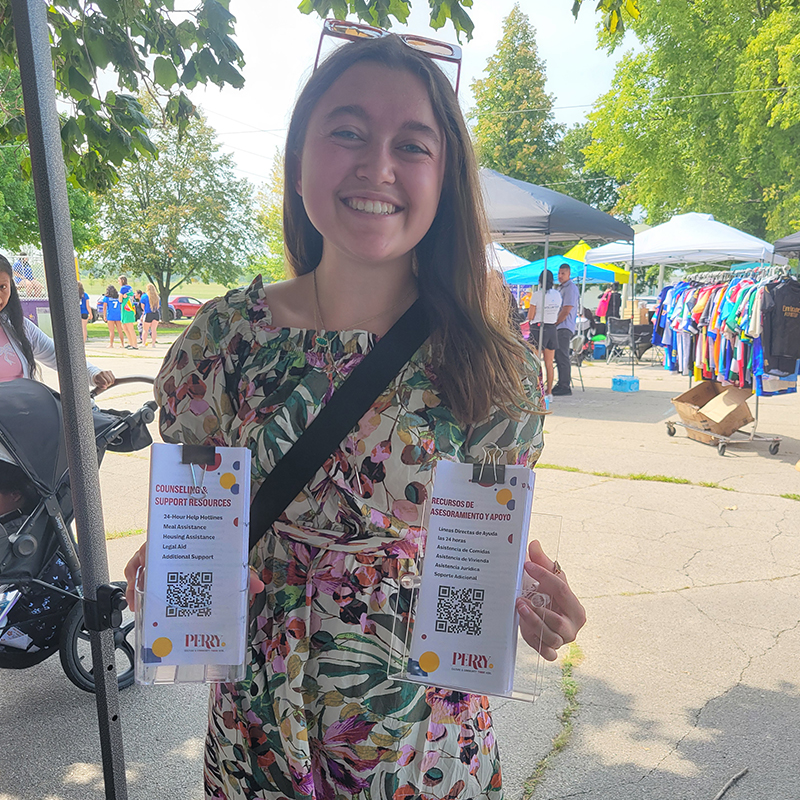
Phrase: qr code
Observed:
(189, 594)
(459, 611)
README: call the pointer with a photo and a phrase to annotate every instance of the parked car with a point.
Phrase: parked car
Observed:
(185, 306)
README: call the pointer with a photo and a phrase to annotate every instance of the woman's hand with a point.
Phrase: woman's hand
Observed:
(137, 562)
(104, 379)
(547, 629)
(131, 568)
(256, 584)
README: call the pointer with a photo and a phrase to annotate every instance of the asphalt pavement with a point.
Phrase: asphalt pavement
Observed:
(689, 657)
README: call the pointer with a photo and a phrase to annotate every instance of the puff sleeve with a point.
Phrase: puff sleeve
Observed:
(520, 440)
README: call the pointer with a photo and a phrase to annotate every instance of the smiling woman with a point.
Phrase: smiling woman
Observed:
(382, 206)
(370, 176)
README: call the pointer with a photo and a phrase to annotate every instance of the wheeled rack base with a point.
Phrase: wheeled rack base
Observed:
(724, 441)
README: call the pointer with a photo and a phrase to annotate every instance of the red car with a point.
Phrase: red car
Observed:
(185, 306)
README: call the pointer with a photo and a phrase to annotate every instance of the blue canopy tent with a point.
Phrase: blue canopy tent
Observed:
(528, 275)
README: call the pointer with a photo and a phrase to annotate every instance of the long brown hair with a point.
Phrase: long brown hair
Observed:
(13, 310)
(478, 360)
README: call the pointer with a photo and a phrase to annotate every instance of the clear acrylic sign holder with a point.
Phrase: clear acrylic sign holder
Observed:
(150, 674)
(192, 598)
(528, 667)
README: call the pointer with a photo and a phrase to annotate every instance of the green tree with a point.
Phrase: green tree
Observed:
(183, 215)
(594, 187)
(514, 129)
(269, 261)
(157, 48)
(769, 113)
(19, 227)
(615, 13)
(717, 137)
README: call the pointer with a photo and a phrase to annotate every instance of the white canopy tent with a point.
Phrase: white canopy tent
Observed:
(687, 239)
(502, 259)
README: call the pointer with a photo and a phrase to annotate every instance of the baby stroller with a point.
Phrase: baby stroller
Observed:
(40, 578)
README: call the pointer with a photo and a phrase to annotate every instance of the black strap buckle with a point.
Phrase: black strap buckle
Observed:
(105, 613)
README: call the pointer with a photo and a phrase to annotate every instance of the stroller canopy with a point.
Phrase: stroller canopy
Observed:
(30, 421)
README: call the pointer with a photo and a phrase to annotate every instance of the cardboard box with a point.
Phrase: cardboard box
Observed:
(712, 407)
(638, 310)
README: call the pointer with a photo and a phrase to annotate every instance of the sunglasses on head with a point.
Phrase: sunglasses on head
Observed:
(356, 31)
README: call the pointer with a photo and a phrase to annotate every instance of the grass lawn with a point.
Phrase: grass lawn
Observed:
(202, 291)
(97, 288)
(99, 330)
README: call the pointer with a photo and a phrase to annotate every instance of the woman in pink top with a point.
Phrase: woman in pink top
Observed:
(22, 343)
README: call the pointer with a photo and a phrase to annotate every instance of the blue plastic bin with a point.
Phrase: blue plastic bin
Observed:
(625, 383)
(598, 350)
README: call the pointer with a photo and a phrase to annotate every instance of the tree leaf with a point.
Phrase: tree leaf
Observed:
(71, 134)
(164, 72)
(79, 86)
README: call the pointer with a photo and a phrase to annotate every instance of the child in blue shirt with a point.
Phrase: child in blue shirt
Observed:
(112, 314)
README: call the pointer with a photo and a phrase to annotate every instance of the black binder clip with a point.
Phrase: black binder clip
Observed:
(489, 472)
(198, 455)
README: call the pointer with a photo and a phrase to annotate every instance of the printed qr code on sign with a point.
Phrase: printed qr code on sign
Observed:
(189, 594)
(459, 610)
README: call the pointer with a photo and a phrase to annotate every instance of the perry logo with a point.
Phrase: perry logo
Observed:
(471, 661)
(204, 641)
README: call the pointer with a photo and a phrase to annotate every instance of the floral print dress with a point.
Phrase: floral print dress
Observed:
(316, 717)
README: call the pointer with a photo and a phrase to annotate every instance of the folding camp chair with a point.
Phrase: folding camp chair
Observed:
(576, 354)
(619, 339)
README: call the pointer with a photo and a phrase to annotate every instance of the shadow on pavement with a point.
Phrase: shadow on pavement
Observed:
(617, 753)
(51, 747)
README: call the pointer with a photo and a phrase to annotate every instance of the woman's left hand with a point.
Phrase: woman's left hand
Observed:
(104, 379)
(547, 629)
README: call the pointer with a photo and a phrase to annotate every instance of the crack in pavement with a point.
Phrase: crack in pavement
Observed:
(691, 558)
(698, 713)
(698, 586)
(771, 647)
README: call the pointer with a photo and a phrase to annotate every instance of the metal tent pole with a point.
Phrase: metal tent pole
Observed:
(633, 309)
(50, 187)
(542, 282)
(583, 286)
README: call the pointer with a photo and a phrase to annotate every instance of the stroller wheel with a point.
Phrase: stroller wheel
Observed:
(76, 652)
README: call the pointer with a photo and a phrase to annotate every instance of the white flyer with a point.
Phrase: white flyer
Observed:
(196, 573)
(465, 625)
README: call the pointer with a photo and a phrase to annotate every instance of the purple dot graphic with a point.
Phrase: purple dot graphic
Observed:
(235, 489)
(513, 481)
(511, 505)
(238, 464)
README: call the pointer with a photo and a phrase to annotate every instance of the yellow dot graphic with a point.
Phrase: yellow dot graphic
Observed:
(429, 662)
(227, 480)
(162, 647)
(503, 496)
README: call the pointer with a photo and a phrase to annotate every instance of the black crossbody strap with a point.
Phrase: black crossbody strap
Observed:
(341, 414)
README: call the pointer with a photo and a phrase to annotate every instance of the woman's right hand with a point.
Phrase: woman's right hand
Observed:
(137, 562)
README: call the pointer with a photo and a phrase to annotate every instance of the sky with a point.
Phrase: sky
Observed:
(279, 45)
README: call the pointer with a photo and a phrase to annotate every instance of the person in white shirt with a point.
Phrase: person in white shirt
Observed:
(543, 334)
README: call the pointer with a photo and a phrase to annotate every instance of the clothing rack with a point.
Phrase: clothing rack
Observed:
(726, 275)
(766, 272)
